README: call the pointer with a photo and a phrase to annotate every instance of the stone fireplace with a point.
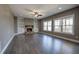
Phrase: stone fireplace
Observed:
(28, 28)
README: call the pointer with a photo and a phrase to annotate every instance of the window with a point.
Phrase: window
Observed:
(64, 24)
(47, 25)
(68, 25)
(57, 26)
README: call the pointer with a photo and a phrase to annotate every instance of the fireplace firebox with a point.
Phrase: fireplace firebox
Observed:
(28, 28)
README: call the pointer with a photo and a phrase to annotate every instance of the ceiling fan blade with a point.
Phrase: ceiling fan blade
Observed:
(40, 15)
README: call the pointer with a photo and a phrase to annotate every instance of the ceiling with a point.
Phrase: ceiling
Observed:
(46, 10)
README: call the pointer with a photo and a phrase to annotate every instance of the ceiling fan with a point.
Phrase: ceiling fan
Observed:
(34, 12)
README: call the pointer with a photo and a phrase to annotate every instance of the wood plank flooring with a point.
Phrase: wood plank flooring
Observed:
(41, 44)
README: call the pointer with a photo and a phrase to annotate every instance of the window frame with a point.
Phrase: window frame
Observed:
(47, 25)
(61, 18)
(57, 25)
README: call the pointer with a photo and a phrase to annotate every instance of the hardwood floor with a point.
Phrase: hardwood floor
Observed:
(41, 44)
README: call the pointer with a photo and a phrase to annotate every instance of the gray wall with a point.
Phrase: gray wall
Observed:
(28, 21)
(6, 25)
(74, 11)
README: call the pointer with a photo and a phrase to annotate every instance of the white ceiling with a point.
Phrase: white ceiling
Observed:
(45, 9)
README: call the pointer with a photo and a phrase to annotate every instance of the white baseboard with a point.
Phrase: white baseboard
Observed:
(73, 40)
(18, 33)
(4, 49)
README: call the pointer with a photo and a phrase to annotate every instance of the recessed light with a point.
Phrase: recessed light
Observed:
(59, 8)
